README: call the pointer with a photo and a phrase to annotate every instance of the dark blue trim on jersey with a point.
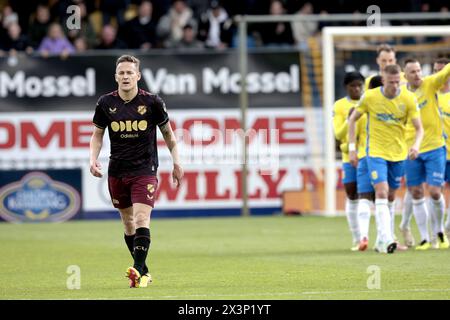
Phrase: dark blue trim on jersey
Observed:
(399, 90)
(187, 213)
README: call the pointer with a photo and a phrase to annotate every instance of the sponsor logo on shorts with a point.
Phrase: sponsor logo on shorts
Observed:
(438, 175)
(374, 175)
(115, 201)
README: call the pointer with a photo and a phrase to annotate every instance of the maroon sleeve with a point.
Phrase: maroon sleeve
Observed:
(100, 120)
(159, 112)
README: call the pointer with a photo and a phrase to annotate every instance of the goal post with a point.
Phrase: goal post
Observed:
(328, 55)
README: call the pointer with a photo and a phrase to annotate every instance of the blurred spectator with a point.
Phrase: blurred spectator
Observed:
(86, 29)
(198, 7)
(9, 16)
(211, 26)
(55, 42)
(276, 34)
(140, 32)
(80, 44)
(24, 11)
(188, 41)
(39, 26)
(15, 40)
(114, 8)
(170, 27)
(302, 30)
(109, 40)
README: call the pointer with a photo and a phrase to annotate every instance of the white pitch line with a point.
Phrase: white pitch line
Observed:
(283, 294)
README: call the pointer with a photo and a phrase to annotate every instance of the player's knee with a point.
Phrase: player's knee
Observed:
(351, 191)
(129, 225)
(417, 192)
(367, 195)
(435, 192)
(381, 194)
(391, 195)
(142, 219)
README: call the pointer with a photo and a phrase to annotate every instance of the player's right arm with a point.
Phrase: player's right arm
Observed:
(340, 125)
(95, 146)
(100, 122)
(352, 151)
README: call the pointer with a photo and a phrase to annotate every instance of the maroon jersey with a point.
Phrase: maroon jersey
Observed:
(132, 131)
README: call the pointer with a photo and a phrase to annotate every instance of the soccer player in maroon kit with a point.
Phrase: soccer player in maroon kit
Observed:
(131, 116)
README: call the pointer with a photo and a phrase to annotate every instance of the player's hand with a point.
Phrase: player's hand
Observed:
(96, 169)
(353, 158)
(413, 153)
(177, 174)
(350, 112)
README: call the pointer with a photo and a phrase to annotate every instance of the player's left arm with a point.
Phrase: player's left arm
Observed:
(441, 77)
(171, 142)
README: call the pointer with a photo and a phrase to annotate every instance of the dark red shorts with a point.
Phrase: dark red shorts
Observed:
(128, 190)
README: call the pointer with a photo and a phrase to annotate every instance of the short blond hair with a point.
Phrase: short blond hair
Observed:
(392, 69)
(128, 58)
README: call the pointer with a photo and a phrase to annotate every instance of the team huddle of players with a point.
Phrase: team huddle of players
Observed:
(397, 127)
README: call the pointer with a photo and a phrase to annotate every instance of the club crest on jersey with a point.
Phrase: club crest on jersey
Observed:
(142, 109)
(402, 107)
(112, 110)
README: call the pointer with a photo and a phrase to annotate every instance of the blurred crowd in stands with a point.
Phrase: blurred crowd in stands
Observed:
(40, 27)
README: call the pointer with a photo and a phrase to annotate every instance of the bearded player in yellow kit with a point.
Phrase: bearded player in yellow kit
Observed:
(429, 167)
(444, 104)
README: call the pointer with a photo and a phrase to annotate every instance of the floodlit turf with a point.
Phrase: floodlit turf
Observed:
(214, 258)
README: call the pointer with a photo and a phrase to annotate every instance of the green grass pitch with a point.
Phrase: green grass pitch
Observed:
(259, 258)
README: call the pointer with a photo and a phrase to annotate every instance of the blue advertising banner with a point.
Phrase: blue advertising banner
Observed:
(40, 195)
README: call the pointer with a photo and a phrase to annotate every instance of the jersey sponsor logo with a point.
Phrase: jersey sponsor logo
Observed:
(142, 109)
(129, 135)
(37, 198)
(387, 117)
(422, 104)
(129, 125)
(112, 110)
